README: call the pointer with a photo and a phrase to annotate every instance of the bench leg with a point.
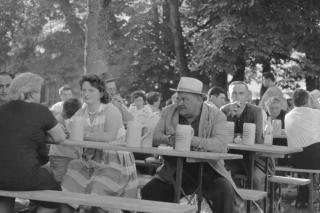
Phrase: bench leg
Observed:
(199, 197)
(271, 197)
(311, 193)
(179, 172)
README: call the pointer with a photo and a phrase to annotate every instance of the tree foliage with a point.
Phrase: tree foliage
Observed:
(139, 45)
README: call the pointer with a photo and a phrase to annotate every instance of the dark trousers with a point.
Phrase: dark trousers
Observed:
(309, 158)
(43, 179)
(216, 189)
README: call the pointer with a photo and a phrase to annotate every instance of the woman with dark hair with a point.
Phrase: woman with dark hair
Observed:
(103, 172)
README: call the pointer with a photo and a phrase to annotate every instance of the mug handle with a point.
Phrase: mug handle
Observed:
(192, 132)
(146, 134)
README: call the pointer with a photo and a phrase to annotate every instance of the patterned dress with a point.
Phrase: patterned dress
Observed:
(102, 172)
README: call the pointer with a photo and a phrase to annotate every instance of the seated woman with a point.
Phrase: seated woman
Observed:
(24, 125)
(102, 172)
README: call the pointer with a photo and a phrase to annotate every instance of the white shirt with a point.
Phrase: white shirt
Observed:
(302, 126)
(57, 107)
(141, 115)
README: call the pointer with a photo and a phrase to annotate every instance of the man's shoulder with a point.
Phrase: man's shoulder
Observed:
(57, 106)
(169, 108)
(253, 108)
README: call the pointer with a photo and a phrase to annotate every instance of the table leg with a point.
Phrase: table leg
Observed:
(200, 188)
(179, 172)
(266, 184)
(251, 157)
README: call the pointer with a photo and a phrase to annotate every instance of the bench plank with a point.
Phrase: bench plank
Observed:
(289, 180)
(290, 169)
(101, 201)
(253, 195)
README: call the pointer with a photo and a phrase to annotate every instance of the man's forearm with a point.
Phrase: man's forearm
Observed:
(161, 139)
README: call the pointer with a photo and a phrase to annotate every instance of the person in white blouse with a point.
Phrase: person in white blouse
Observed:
(138, 109)
(302, 125)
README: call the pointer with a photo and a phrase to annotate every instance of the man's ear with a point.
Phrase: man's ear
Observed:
(229, 96)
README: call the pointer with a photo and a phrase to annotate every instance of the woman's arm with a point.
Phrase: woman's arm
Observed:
(57, 134)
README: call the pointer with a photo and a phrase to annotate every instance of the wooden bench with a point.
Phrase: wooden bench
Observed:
(246, 194)
(290, 181)
(252, 195)
(109, 202)
(310, 173)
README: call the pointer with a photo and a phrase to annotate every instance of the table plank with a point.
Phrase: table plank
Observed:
(168, 152)
(280, 136)
(271, 149)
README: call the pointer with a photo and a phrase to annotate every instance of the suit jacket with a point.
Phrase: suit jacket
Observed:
(212, 120)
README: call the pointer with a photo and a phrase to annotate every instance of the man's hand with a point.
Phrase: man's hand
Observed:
(117, 100)
(233, 108)
(171, 140)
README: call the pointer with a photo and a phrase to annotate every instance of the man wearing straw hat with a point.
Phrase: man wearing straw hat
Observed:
(206, 121)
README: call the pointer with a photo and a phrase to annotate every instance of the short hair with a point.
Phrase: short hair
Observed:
(300, 97)
(137, 94)
(216, 91)
(7, 74)
(269, 75)
(24, 84)
(64, 88)
(70, 107)
(239, 83)
(153, 97)
(273, 100)
(96, 82)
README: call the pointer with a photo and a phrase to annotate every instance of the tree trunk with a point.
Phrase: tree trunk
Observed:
(175, 25)
(220, 79)
(96, 27)
(239, 74)
(166, 31)
(312, 82)
(266, 67)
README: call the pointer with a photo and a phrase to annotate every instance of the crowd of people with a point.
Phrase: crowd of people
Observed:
(27, 162)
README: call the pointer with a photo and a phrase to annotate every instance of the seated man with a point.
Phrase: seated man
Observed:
(218, 186)
(269, 81)
(217, 96)
(240, 111)
(302, 125)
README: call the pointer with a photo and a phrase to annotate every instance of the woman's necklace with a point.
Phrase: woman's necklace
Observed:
(92, 113)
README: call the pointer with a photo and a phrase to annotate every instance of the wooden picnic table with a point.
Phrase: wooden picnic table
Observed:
(118, 146)
(265, 151)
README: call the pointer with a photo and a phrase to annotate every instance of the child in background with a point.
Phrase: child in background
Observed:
(60, 156)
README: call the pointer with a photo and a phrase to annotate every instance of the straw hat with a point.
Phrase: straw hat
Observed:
(190, 85)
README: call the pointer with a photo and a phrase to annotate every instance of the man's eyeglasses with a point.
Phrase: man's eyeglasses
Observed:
(4, 86)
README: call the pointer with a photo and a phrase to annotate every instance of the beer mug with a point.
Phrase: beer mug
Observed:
(184, 134)
(277, 126)
(134, 134)
(76, 128)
